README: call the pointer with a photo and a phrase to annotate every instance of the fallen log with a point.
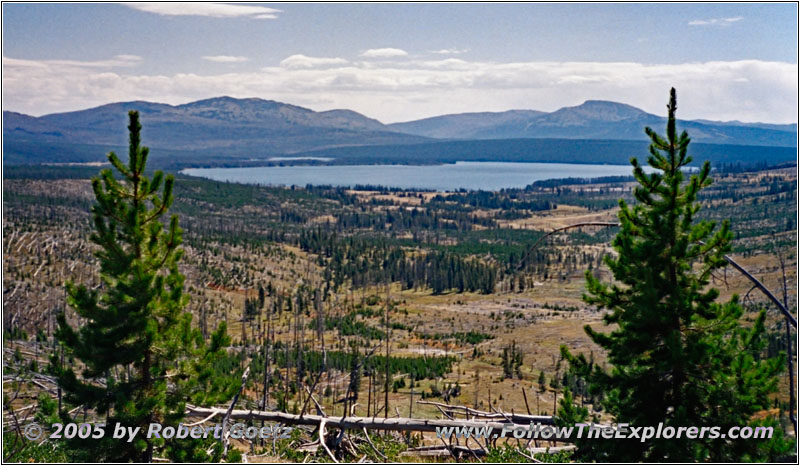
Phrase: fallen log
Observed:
(401, 424)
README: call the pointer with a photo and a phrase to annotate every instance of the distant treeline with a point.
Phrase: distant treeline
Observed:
(349, 325)
(545, 151)
(18, 150)
(48, 172)
(491, 200)
(750, 166)
(569, 181)
(310, 361)
(370, 262)
(414, 219)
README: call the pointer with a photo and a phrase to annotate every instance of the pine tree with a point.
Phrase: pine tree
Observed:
(542, 383)
(505, 361)
(134, 330)
(678, 356)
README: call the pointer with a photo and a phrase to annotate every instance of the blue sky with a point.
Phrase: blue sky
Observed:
(398, 62)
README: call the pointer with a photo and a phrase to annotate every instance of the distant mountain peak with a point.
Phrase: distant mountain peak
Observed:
(601, 102)
(593, 119)
(227, 98)
(604, 109)
(249, 103)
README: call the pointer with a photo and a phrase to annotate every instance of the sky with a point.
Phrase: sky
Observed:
(399, 62)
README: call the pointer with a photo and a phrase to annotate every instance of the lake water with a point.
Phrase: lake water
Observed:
(289, 159)
(490, 176)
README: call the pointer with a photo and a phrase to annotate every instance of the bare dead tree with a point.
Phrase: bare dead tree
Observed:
(789, 364)
(386, 382)
(225, 433)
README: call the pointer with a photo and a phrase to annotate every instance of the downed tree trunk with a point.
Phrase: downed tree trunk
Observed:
(402, 424)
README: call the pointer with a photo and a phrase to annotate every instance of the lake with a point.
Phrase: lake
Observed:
(490, 176)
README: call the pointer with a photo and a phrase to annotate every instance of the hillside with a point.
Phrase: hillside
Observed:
(594, 119)
(221, 127)
(469, 125)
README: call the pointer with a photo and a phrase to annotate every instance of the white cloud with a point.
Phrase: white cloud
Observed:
(225, 58)
(441, 64)
(450, 51)
(402, 89)
(129, 58)
(715, 21)
(303, 61)
(384, 53)
(116, 61)
(214, 10)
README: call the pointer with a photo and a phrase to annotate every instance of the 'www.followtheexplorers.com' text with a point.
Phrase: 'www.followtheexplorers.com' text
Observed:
(596, 431)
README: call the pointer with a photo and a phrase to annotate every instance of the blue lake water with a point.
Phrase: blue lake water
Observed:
(470, 175)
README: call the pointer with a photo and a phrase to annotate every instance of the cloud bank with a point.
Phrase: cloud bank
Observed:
(403, 88)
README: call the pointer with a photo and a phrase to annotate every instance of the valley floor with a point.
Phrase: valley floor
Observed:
(450, 277)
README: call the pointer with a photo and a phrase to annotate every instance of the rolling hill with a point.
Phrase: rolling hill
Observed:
(594, 119)
(220, 128)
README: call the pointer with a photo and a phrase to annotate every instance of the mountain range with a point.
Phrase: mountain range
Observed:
(222, 125)
(594, 119)
(225, 130)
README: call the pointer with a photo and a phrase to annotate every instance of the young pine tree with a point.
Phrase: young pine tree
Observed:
(134, 330)
(678, 356)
